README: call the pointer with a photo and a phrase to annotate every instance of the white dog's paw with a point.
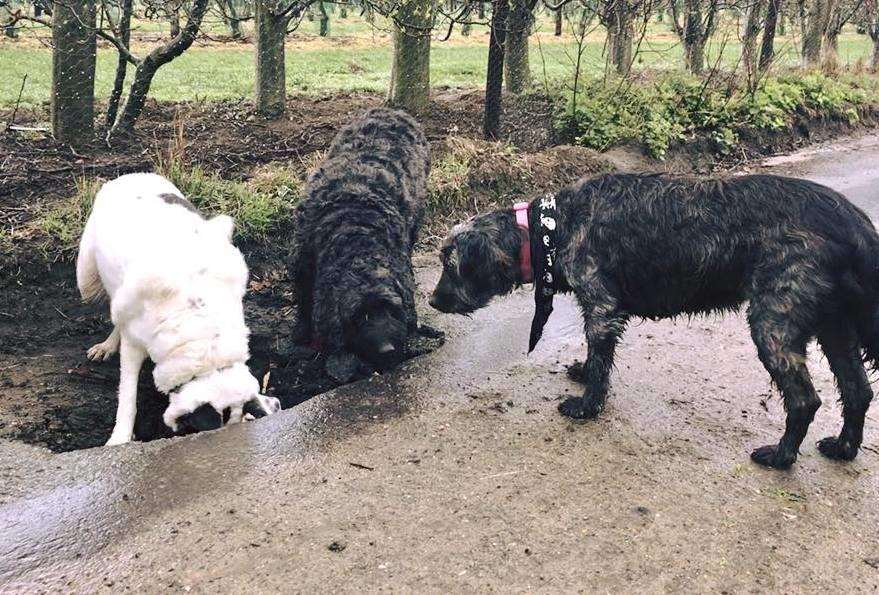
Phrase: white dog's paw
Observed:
(102, 351)
(117, 439)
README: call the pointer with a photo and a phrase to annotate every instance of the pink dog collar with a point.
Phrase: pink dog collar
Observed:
(521, 210)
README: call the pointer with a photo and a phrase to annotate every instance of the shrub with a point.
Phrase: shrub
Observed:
(674, 108)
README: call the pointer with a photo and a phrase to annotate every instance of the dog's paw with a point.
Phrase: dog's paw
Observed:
(832, 448)
(771, 456)
(101, 352)
(580, 408)
(117, 439)
(577, 371)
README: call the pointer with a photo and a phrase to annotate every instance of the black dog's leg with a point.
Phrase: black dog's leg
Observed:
(302, 271)
(577, 372)
(782, 349)
(843, 351)
(604, 324)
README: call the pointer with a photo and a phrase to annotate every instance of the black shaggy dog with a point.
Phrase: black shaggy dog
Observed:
(804, 258)
(355, 229)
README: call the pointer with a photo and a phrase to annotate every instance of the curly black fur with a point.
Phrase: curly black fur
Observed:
(804, 258)
(355, 231)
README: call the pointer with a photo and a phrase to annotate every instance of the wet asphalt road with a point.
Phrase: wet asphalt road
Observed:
(457, 473)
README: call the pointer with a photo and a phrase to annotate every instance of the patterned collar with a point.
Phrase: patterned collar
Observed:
(544, 257)
(541, 259)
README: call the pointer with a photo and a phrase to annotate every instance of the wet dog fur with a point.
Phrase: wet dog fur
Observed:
(175, 284)
(803, 257)
(354, 234)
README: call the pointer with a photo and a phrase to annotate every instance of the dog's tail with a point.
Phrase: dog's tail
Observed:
(87, 278)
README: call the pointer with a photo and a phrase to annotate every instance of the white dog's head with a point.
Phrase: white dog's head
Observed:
(223, 396)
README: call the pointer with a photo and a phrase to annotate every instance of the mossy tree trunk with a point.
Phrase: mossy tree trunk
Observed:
(147, 68)
(494, 77)
(124, 35)
(620, 36)
(816, 20)
(271, 30)
(767, 49)
(73, 71)
(324, 21)
(749, 37)
(516, 65)
(410, 72)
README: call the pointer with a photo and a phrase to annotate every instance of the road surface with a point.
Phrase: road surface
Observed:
(458, 474)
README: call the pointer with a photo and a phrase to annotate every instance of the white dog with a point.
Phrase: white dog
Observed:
(175, 284)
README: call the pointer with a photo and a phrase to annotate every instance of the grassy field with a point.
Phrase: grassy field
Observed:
(357, 56)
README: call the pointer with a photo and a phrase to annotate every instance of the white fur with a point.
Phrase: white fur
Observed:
(175, 284)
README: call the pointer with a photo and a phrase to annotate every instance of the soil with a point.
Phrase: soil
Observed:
(52, 396)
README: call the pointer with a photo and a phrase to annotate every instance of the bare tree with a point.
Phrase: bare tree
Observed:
(620, 22)
(694, 29)
(516, 64)
(149, 65)
(410, 74)
(767, 46)
(749, 37)
(868, 19)
(122, 30)
(815, 17)
(73, 71)
(495, 70)
(271, 31)
(845, 11)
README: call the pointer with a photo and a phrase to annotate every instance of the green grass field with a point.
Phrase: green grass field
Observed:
(322, 65)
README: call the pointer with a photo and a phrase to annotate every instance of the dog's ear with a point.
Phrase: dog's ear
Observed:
(473, 253)
(223, 225)
(201, 420)
(260, 406)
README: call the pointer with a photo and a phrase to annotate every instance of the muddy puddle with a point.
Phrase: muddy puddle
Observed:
(52, 396)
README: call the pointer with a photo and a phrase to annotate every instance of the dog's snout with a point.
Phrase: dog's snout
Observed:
(386, 348)
(440, 302)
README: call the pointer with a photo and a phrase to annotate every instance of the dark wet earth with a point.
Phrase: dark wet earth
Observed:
(76, 398)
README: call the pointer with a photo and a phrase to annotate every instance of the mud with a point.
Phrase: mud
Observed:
(456, 473)
(54, 397)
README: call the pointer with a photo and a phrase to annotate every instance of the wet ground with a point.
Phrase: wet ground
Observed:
(54, 397)
(457, 473)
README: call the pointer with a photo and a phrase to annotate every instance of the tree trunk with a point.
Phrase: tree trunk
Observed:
(494, 76)
(874, 62)
(121, 64)
(830, 51)
(517, 67)
(324, 21)
(73, 71)
(230, 15)
(410, 81)
(146, 70)
(558, 22)
(694, 37)
(767, 51)
(621, 35)
(173, 17)
(749, 38)
(817, 19)
(271, 30)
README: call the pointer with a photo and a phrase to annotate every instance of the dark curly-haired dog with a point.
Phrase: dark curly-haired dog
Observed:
(804, 258)
(355, 229)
